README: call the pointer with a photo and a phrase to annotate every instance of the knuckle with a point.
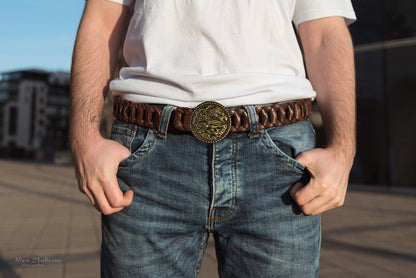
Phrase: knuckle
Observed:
(306, 211)
(106, 211)
(103, 179)
(101, 175)
(325, 185)
(85, 187)
(90, 186)
(81, 188)
(81, 183)
(340, 202)
(117, 202)
(299, 200)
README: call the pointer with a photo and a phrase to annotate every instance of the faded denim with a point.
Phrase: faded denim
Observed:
(236, 189)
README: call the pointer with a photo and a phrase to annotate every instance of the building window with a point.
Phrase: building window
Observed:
(13, 121)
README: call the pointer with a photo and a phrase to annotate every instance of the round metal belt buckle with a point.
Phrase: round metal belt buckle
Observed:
(210, 122)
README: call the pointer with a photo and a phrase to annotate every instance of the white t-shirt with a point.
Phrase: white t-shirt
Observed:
(235, 52)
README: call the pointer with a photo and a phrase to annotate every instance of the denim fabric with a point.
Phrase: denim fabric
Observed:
(236, 189)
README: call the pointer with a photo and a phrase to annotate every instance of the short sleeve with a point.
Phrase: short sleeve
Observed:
(124, 2)
(306, 10)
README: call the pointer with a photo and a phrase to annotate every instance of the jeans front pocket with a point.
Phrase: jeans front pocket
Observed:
(287, 142)
(137, 139)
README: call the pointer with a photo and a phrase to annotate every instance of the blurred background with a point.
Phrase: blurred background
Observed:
(34, 84)
(36, 166)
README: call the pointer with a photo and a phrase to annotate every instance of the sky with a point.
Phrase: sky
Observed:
(38, 33)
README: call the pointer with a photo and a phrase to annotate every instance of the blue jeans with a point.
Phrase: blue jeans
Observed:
(236, 189)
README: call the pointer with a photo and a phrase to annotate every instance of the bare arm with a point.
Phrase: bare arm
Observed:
(94, 61)
(330, 65)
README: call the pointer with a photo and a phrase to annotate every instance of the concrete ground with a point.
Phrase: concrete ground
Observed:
(48, 229)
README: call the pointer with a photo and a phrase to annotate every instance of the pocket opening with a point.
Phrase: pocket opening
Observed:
(137, 139)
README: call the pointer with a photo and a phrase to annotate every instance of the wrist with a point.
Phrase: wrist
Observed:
(81, 142)
(344, 154)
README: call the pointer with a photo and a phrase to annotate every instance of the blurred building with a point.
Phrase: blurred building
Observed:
(34, 111)
(385, 51)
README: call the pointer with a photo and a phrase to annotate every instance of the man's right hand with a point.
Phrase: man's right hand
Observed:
(94, 61)
(96, 169)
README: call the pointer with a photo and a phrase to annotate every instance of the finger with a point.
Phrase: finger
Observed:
(316, 206)
(97, 208)
(298, 186)
(115, 197)
(83, 188)
(304, 194)
(96, 195)
(102, 203)
(313, 206)
(90, 197)
(129, 196)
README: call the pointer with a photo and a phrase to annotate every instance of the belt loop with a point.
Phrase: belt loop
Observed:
(164, 120)
(253, 120)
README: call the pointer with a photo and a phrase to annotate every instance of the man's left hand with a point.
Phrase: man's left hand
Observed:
(328, 184)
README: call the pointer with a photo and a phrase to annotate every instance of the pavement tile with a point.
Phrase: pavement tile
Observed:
(209, 262)
(44, 216)
(82, 270)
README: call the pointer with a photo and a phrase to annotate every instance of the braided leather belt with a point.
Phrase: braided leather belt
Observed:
(212, 113)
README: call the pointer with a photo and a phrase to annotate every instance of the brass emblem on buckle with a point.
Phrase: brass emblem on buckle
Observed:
(210, 122)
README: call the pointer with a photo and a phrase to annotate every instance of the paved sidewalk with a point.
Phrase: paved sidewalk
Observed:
(48, 229)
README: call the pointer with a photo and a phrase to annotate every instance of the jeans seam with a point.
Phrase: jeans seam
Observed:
(231, 210)
(200, 254)
(124, 130)
(212, 216)
(123, 133)
(131, 135)
(212, 205)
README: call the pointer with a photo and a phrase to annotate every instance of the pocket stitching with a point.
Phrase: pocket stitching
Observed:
(143, 154)
(123, 133)
(123, 129)
(278, 158)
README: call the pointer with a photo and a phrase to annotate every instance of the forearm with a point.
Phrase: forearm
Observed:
(89, 78)
(330, 65)
(94, 60)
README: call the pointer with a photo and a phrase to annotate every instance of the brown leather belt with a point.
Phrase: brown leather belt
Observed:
(147, 115)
